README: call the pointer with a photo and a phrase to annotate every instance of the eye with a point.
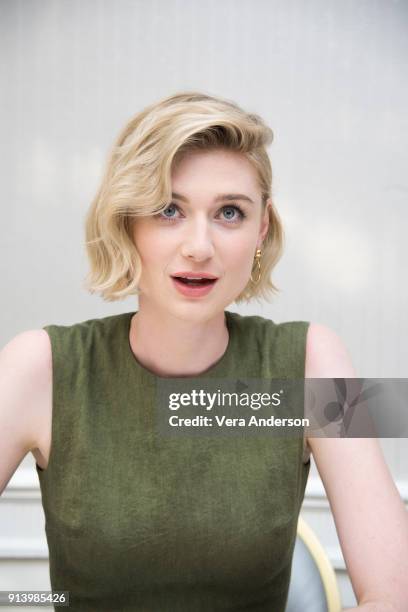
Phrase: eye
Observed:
(169, 213)
(232, 214)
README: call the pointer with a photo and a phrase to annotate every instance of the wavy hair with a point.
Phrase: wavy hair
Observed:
(137, 182)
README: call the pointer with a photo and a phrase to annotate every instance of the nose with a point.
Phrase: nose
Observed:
(197, 243)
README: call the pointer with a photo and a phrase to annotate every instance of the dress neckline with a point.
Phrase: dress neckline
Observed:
(217, 369)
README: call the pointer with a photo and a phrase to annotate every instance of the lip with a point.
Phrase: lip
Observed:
(193, 291)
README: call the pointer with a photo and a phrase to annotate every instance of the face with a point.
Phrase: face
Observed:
(212, 226)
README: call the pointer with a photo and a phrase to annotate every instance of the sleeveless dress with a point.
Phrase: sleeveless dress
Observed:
(139, 522)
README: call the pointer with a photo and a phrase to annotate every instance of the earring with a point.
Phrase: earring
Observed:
(257, 262)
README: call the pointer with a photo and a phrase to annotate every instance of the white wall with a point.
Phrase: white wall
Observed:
(329, 77)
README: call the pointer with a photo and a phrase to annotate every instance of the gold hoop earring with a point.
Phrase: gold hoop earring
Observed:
(257, 261)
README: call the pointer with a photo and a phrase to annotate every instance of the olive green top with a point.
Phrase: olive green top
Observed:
(139, 521)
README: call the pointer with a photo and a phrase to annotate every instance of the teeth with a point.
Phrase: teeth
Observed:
(196, 278)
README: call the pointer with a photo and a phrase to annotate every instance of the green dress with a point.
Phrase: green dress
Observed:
(139, 521)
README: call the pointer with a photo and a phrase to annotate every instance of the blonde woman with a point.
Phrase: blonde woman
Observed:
(137, 521)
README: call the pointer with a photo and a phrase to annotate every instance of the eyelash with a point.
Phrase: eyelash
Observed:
(242, 214)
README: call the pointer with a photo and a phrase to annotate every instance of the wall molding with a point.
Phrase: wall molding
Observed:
(17, 549)
(24, 484)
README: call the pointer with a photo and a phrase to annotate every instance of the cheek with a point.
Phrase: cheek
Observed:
(155, 248)
(146, 241)
(240, 252)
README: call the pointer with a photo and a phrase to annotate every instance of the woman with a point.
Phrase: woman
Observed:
(139, 521)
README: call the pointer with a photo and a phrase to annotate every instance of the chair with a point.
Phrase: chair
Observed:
(313, 585)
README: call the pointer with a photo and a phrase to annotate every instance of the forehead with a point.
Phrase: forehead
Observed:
(217, 168)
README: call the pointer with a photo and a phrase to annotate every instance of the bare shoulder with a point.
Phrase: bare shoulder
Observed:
(28, 357)
(326, 354)
(326, 357)
(26, 391)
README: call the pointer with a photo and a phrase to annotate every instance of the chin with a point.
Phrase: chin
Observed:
(198, 311)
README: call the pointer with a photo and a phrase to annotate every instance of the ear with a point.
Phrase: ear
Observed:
(263, 230)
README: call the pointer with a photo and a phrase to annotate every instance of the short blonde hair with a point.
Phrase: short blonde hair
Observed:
(137, 182)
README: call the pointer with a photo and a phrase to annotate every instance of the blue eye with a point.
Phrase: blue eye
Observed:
(230, 215)
(171, 208)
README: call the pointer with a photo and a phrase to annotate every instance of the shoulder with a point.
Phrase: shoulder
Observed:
(326, 357)
(326, 354)
(25, 383)
(70, 343)
(88, 327)
(28, 354)
(273, 350)
(263, 325)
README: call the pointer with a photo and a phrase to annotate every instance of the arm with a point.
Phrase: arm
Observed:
(25, 376)
(370, 517)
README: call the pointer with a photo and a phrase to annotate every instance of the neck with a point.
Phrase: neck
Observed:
(173, 347)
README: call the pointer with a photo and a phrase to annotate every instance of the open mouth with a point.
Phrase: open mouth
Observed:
(195, 282)
(194, 286)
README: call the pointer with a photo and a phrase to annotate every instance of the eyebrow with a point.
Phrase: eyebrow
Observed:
(222, 197)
